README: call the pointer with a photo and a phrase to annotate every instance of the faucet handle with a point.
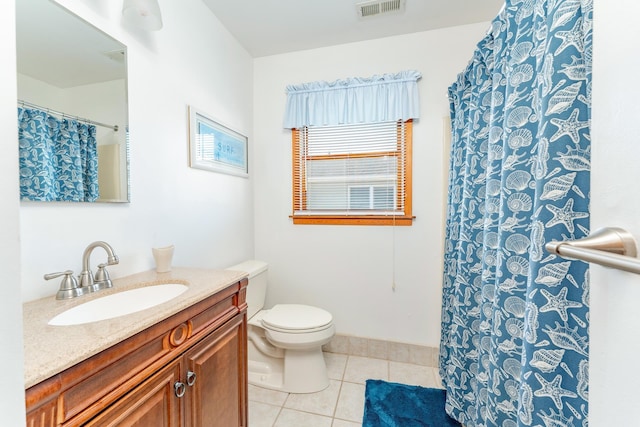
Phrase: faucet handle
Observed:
(68, 286)
(102, 277)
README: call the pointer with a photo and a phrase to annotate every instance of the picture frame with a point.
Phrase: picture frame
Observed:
(216, 147)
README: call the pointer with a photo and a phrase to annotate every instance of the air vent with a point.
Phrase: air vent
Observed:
(378, 7)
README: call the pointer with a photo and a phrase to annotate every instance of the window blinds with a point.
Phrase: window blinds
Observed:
(350, 169)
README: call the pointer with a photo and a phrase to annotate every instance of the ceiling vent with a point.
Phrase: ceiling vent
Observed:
(379, 7)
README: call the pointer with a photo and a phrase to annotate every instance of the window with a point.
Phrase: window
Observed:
(353, 174)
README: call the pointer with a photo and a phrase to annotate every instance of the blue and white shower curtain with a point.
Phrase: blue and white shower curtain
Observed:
(58, 158)
(514, 346)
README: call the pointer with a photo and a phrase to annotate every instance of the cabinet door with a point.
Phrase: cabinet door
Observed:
(218, 393)
(153, 403)
(44, 416)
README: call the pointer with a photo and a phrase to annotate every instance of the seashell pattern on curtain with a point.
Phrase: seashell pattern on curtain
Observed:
(58, 158)
(514, 346)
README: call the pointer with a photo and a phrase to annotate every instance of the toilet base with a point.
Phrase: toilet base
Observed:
(299, 371)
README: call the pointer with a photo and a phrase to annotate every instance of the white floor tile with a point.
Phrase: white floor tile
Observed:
(264, 395)
(437, 379)
(343, 423)
(360, 369)
(262, 415)
(321, 403)
(407, 373)
(351, 402)
(336, 364)
(291, 418)
(342, 403)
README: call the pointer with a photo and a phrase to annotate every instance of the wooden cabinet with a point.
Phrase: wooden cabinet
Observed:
(188, 370)
(218, 379)
(152, 403)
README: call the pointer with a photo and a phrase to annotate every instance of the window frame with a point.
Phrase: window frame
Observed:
(298, 186)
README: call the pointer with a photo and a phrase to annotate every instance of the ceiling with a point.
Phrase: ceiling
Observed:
(55, 46)
(263, 27)
(269, 27)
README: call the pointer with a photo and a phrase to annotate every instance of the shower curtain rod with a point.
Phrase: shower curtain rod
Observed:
(611, 247)
(65, 115)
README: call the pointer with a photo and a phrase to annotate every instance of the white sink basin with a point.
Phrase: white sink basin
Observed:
(118, 304)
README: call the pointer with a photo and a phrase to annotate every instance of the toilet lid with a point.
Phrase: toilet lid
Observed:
(296, 317)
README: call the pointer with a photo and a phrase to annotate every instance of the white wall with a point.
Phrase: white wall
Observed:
(39, 92)
(193, 60)
(348, 270)
(615, 201)
(12, 390)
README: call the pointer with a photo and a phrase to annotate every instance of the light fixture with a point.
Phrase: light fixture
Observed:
(144, 14)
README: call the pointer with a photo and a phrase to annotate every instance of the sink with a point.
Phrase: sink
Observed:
(119, 304)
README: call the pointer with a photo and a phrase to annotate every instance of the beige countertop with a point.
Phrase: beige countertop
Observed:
(49, 350)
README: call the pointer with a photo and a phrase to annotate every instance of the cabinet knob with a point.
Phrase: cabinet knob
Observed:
(191, 378)
(179, 388)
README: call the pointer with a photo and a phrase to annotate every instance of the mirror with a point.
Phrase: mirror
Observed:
(70, 70)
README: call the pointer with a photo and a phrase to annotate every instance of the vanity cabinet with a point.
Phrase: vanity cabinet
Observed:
(151, 404)
(188, 370)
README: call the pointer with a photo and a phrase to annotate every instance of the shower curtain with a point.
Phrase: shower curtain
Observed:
(58, 158)
(514, 345)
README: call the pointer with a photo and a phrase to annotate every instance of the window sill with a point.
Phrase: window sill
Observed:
(353, 220)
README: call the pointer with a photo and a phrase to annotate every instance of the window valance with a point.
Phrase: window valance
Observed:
(381, 98)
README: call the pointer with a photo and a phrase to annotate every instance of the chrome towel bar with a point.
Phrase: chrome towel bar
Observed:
(611, 247)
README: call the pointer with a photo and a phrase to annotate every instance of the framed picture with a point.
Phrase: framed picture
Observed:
(215, 147)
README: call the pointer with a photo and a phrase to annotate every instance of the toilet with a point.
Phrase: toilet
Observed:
(285, 341)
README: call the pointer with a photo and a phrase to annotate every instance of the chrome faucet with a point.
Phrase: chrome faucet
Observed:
(101, 280)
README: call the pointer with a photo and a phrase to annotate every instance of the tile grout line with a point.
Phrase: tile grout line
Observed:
(335, 407)
(275, 420)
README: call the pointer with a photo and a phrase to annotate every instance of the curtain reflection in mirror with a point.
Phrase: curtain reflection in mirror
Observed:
(58, 158)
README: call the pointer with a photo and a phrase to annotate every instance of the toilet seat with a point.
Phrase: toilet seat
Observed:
(296, 318)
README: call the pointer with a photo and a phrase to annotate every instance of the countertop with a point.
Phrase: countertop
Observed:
(49, 350)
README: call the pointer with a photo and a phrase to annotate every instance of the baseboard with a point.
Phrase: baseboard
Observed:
(386, 350)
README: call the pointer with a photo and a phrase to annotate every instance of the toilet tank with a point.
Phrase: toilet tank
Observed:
(257, 287)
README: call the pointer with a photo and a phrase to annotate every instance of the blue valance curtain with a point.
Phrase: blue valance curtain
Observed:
(381, 98)
(514, 346)
(58, 158)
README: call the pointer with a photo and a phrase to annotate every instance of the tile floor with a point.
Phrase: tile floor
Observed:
(339, 405)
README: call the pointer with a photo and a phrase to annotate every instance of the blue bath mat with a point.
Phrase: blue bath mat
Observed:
(399, 405)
